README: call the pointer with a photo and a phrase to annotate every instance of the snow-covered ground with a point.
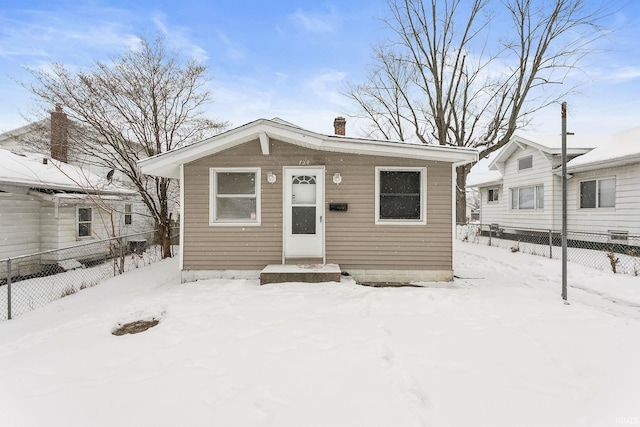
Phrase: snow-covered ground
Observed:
(495, 348)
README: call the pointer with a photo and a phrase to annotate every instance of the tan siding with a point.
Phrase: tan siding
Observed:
(351, 238)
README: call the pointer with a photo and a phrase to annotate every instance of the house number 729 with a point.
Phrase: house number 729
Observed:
(304, 162)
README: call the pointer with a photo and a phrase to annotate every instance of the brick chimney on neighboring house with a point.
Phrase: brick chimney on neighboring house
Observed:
(340, 126)
(59, 135)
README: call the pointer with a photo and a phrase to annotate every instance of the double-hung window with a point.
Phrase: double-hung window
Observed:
(598, 193)
(128, 214)
(85, 220)
(400, 195)
(234, 196)
(527, 198)
(493, 194)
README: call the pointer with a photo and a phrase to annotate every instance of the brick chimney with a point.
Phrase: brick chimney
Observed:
(59, 134)
(340, 125)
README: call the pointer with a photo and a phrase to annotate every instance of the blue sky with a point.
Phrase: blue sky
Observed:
(278, 58)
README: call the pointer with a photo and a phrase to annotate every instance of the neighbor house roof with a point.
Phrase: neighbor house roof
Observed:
(168, 164)
(548, 143)
(618, 149)
(484, 179)
(31, 171)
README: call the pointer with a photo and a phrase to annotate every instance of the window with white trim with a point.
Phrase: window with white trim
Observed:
(128, 217)
(527, 198)
(493, 194)
(600, 193)
(85, 220)
(400, 195)
(618, 236)
(525, 163)
(234, 196)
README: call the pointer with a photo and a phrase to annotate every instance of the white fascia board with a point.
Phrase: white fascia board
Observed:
(168, 164)
(609, 163)
(389, 149)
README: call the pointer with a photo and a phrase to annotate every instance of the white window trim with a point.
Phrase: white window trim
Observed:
(129, 214)
(423, 196)
(597, 180)
(495, 189)
(618, 236)
(536, 208)
(78, 236)
(522, 158)
(212, 198)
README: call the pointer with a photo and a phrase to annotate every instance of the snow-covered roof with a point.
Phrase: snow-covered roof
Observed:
(484, 179)
(618, 149)
(168, 164)
(548, 143)
(30, 170)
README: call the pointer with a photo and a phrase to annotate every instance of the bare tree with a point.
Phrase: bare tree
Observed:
(447, 78)
(143, 102)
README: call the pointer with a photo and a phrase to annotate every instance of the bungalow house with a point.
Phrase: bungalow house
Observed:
(523, 187)
(46, 204)
(272, 193)
(53, 138)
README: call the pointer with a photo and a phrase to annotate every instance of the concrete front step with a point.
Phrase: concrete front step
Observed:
(311, 273)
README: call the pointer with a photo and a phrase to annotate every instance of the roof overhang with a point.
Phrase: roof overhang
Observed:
(168, 164)
(520, 143)
(605, 163)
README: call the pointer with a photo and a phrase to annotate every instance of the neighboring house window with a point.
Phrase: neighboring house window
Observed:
(493, 194)
(618, 236)
(525, 163)
(84, 222)
(599, 193)
(127, 214)
(527, 197)
(400, 195)
(235, 196)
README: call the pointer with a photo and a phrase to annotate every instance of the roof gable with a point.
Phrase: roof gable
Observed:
(547, 144)
(168, 164)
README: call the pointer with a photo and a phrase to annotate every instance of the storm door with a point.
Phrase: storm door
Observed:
(303, 212)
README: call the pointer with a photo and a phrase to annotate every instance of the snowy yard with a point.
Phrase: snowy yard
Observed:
(495, 348)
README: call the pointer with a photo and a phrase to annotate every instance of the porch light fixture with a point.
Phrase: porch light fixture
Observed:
(337, 178)
(271, 177)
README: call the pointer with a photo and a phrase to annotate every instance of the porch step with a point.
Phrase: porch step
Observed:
(310, 273)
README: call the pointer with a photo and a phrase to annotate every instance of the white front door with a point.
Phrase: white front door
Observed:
(303, 209)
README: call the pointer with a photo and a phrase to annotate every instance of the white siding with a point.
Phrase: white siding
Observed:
(539, 174)
(493, 212)
(19, 224)
(625, 216)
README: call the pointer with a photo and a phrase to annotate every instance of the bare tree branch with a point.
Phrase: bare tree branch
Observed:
(447, 76)
(140, 103)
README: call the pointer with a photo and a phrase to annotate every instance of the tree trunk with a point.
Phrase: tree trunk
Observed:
(461, 193)
(164, 237)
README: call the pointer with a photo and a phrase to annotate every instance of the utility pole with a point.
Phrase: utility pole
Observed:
(564, 201)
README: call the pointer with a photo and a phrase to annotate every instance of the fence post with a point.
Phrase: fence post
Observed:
(490, 232)
(9, 288)
(121, 255)
(550, 244)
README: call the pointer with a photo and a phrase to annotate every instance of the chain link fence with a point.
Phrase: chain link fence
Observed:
(31, 281)
(617, 252)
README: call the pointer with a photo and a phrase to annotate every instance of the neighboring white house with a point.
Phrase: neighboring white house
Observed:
(523, 187)
(52, 199)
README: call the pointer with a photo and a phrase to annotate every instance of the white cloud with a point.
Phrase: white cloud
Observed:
(314, 22)
(178, 39)
(232, 51)
(327, 86)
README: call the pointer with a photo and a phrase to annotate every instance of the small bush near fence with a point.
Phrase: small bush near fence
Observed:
(32, 281)
(617, 253)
